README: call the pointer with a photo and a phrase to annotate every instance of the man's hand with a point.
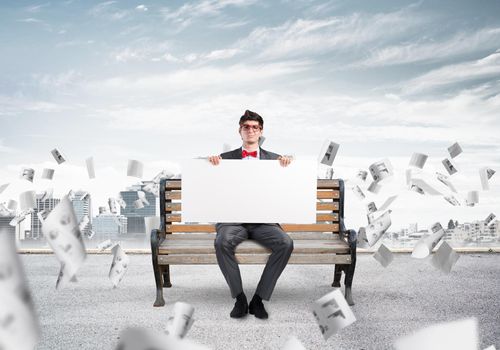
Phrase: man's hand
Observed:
(285, 160)
(215, 160)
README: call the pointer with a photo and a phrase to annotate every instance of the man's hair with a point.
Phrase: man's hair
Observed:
(249, 115)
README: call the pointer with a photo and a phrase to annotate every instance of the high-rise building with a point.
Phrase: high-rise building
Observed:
(4, 225)
(135, 216)
(45, 205)
(82, 204)
(109, 226)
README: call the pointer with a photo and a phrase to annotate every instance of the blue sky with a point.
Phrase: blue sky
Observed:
(164, 81)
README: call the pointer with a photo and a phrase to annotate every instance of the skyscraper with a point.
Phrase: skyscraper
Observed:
(41, 205)
(135, 216)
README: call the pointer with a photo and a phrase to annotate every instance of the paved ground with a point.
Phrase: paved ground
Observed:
(390, 302)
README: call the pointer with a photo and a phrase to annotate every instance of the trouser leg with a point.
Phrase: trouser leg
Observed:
(273, 237)
(227, 239)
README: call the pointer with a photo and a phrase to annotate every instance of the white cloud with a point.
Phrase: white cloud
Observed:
(37, 8)
(431, 51)
(141, 8)
(484, 68)
(108, 10)
(44, 24)
(222, 54)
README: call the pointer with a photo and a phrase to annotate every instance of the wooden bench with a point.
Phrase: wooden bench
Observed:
(325, 242)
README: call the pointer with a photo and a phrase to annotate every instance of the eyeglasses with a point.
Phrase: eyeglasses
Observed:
(247, 127)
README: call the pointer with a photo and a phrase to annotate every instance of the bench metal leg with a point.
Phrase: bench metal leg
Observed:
(166, 276)
(348, 269)
(157, 269)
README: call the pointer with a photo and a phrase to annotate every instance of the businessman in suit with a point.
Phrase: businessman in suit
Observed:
(272, 236)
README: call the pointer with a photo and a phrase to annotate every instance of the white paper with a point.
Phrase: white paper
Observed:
(444, 258)
(374, 187)
(142, 339)
(138, 204)
(293, 344)
(444, 179)
(418, 160)
(362, 175)
(371, 207)
(381, 170)
(377, 228)
(452, 200)
(457, 335)
(408, 176)
(328, 152)
(48, 174)
(12, 205)
(3, 187)
(120, 201)
(142, 197)
(64, 237)
(27, 200)
(104, 245)
(135, 168)
(47, 194)
(425, 245)
(112, 205)
(27, 174)
(251, 192)
(261, 141)
(90, 167)
(489, 219)
(329, 173)
(472, 198)
(357, 191)
(383, 255)
(332, 313)
(83, 223)
(119, 265)
(454, 150)
(387, 203)
(489, 172)
(181, 321)
(428, 189)
(448, 165)
(57, 156)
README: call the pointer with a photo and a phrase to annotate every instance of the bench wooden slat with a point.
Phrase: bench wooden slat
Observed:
(321, 183)
(286, 228)
(252, 247)
(319, 217)
(329, 206)
(324, 194)
(206, 259)
(211, 236)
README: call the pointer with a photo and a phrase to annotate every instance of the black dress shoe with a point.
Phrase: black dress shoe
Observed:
(240, 308)
(256, 307)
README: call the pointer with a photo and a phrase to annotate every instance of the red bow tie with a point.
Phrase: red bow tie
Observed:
(245, 154)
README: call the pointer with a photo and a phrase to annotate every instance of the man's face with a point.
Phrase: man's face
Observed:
(250, 131)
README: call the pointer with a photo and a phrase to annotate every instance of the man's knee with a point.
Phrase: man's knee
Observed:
(287, 244)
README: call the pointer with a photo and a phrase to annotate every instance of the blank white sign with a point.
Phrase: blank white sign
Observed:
(249, 191)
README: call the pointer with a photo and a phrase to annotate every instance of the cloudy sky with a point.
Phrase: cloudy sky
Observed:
(164, 81)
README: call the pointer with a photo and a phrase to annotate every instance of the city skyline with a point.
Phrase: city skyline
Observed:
(162, 83)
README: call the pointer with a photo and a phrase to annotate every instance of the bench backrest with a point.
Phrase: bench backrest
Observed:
(329, 209)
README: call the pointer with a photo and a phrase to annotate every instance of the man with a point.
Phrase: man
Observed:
(230, 235)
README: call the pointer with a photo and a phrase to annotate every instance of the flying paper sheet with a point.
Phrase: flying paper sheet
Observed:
(417, 189)
(286, 194)
(408, 176)
(485, 175)
(47, 194)
(444, 179)
(377, 228)
(381, 170)
(90, 167)
(383, 255)
(142, 197)
(179, 324)
(328, 152)
(457, 335)
(418, 160)
(374, 187)
(425, 245)
(362, 174)
(64, 237)
(452, 200)
(329, 173)
(371, 207)
(48, 174)
(332, 313)
(27, 200)
(83, 223)
(27, 174)
(387, 203)
(472, 198)
(261, 141)
(20, 217)
(293, 344)
(454, 150)
(120, 201)
(18, 322)
(138, 204)
(142, 339)
(444, 258)
(135, 168)
(12, 205)
(112, 205)
(428, 189)
(57, 156)
(489, 219)
(119, 265)
(104, 245)
(450, 168)
(3, 187)
(357, 191)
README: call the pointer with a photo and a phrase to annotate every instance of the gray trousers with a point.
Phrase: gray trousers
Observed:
(270, 236)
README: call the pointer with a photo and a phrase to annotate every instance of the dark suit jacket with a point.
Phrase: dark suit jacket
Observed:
(236, 154)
